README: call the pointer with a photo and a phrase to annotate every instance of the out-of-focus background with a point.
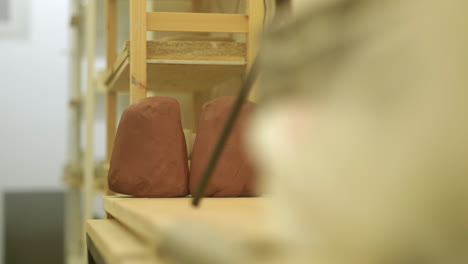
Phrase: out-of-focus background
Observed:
(34, 54)
(36, 48)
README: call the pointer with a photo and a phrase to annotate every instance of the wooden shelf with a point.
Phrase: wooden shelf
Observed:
(147, 217)
(182, 65)
(110, 242)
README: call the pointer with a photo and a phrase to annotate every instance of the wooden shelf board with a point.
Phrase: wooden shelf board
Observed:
(149, 216)
(176, 65)
(116, 244)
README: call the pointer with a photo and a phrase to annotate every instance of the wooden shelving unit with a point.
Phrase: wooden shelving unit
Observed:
(194, 63)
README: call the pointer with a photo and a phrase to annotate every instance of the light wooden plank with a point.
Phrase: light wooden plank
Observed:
(197, 22)
(89, 115)
(111, 122)
(111, 114)
(201, 6)
(111, 127)
(89, 107)
(195, 50)
(111, 96)
(117, 245)
(203, 64)
(206, 49)
(118, 81)
(225, 62)
(180, 77)
(111, 31)
(256, 12)
(149, 216)
(137, 50)
(121, 62)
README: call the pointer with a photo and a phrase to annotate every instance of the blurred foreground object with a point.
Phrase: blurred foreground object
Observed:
(362, 134)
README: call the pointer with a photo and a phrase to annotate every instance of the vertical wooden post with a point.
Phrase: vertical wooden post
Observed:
(89, 107)
(111, 96)
(256, 12)
(89, 112)
(73, 197)
(199, 6)
(137, 50)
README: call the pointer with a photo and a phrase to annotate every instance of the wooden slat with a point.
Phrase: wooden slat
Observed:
(120, 62)
(117, 245)
(137, 50)
(202, 64)
(197, 22)
(88, 162)
(111, 122)
(201, 6)
(111, 97)
(89, 108)
(256, 11)
(111, 32)
(179, 77)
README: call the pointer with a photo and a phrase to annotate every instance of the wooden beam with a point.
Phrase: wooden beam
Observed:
(88, 162)
(111, 96)
(111, 122)
(115, 244)
(147, 218)
(89, 108)
(197, 22)
(137, 50)
(111, 126)
(201, 6)
(111, 32)
(73, 226)
(256, 13)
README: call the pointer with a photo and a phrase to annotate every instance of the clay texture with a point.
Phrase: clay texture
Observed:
(234, 175)
(150, 155)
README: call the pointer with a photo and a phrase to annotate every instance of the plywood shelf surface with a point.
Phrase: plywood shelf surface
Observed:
(182, 65)
(115, 244)
(147, 217)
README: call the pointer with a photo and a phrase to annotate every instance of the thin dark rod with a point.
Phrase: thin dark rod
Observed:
(243, 93)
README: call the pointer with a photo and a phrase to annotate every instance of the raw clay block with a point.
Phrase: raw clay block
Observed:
(234, 175)
(150, 155)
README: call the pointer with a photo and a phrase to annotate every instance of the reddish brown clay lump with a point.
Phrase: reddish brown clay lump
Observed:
(150, 155)
(234, 175)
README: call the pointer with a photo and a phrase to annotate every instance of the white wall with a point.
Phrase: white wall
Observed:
(33, 110)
